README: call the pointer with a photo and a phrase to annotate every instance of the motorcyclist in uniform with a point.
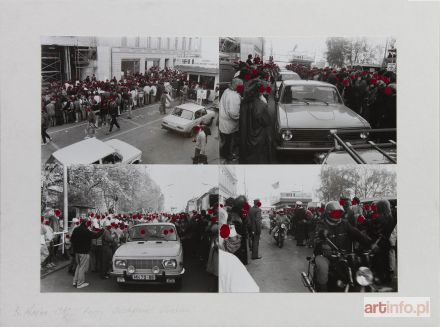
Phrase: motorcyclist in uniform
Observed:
(341, 233)
(281, 218)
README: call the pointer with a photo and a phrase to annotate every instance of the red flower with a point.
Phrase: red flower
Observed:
(336, 214)
(77, 223)
(345, 83)
(214, 220)
(57, 212)
(258, 204)
(361, 219)
(367, 207)
(254, 72)
(364, 73)
(142, 231)
(42, 218)
(165, 231)
(321, 209)
(373, 207)
(268, 89)
(342, 202)
(244, 213)
(246, 206)
(354, 202)
(262, 89)
(388, 90)
(374, 216)
(224, 231)
(221, 205)
(171, 231)
(373, 81)
(247, 77)
(46, 222)
(88, 223)
(210, 211)
(240, 88)
(92, 214)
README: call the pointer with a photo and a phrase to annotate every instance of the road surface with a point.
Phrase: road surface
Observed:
(196, 279)
(279, 270)
(143, 131)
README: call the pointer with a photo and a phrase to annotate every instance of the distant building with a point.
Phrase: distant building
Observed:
(304, 60)
(191, 205)
(203, 74)
(75, 57)
(238, 48)
(288, 199)
(227, 183)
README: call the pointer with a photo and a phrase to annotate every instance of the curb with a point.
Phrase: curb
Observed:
(59, 267)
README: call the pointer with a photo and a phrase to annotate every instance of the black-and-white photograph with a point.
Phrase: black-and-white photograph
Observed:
(129, 228)
(129, 100)
(308, 229)
(308, 100)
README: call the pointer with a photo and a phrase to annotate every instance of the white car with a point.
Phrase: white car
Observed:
(94, 151)
(184, 117)
(153, 254)
(286, 76)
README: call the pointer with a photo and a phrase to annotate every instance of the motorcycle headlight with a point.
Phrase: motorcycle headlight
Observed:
(120, 263)
(364, 135)
(283, 226)
(170, 264)
(286, 135)
(364, 276)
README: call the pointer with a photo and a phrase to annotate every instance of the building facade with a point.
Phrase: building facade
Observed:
(288, 199)
(227, 182)
(71, 57)
(238, 48)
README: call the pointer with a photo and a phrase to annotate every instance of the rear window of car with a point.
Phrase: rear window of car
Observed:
(286, 77)
(310, 93)
(183, 113)
(153, 233)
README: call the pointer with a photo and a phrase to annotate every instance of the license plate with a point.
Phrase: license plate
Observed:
(143, 277)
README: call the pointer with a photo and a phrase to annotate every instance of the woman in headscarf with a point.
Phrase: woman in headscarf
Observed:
(254, 122)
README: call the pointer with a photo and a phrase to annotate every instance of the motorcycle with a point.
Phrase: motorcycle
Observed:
(280, 235)
(348, 272)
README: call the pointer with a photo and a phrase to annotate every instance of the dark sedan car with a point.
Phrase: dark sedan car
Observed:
(307, 111)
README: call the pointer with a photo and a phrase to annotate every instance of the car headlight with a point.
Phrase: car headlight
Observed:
(364, 276)
(170, 264)
(120, 263)
(364, 135)
(131, 269)
(286, 135)
(283, 226)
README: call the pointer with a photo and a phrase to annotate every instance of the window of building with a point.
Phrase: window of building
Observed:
(176, 43)
(184, 43)
(168, 43)
(189, 43)
(159, 42)
(130, 66)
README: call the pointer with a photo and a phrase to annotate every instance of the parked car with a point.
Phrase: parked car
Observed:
(152, 254)
(307, 111)
(184, 117)
(286, 75)
(94, 151)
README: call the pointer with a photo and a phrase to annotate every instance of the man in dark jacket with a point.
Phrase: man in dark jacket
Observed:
(82, 242)
(113, 110)
(254, 217)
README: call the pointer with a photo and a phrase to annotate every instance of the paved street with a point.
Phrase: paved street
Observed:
(279, 270)
(143, 131)
(196, 279)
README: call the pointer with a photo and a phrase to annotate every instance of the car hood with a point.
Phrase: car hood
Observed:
(176, 121)
(319, 116)
(127, 151)
(149, 249)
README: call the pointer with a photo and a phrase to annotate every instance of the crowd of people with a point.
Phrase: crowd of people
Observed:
(246, 124)
(92, 240)
(100, 102)
(348, 224)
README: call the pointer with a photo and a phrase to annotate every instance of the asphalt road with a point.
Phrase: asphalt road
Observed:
(196, 279)
(143, 131)
(279, 270)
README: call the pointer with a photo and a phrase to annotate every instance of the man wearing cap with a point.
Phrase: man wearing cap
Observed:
(255, 219)
(81, 241)
(113, 110)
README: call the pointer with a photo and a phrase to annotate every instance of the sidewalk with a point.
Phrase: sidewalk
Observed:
(60, 263)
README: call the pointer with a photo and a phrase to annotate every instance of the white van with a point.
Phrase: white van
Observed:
(94, 151)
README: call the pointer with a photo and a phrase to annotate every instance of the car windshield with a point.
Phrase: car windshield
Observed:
(182, 113)
(310, 93)
(287, 77)
(153, 233)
